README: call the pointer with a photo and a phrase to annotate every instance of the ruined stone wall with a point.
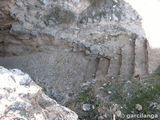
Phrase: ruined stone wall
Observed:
(63, 44)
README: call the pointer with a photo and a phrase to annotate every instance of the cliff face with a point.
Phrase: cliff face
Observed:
(22, 99)
(63, 44)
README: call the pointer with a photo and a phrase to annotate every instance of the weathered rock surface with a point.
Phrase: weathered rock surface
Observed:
(22, 99)
(62, 44)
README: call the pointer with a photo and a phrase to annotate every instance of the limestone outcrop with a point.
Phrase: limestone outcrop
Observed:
(63, 44)
(23, 99)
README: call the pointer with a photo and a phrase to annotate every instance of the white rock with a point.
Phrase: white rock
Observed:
(86, 107)
(109, 92)
(139, 107)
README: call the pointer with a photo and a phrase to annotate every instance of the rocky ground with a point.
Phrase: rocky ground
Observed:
(74, 42)
(135, 96)
(22, 99)
(89, 55)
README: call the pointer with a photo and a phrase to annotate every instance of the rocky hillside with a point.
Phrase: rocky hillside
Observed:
(23, 99)
(63, 44)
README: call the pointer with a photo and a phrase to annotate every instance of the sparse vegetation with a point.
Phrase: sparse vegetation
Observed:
(126, 95)
(87, 97)
(136, 91)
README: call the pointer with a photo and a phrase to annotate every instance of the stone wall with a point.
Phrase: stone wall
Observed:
(63, 44)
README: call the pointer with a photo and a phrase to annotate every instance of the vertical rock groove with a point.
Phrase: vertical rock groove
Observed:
(120, 61)
(103, 66)
(146, 56)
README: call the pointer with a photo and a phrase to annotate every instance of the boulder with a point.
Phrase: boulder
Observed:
(22, 99)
